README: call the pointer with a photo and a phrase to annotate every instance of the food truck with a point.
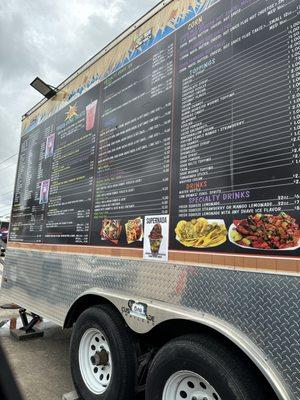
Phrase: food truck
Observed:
(156, 207)
(4, 225)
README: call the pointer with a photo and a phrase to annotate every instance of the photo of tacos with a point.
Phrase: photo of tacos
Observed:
(201, 233)
(266, 232)
(155, 239)
(134, 230)
(111, 230)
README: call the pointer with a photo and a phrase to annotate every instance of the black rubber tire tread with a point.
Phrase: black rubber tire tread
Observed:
(110, 322)
(232, 377)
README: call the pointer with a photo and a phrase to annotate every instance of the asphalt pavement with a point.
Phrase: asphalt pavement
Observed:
(41, 366)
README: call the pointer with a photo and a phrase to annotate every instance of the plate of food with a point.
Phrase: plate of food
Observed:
(201, 233)
(134, 230)
(266, 232)
(111, 230)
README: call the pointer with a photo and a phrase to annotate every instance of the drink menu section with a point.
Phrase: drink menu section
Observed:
(203, 126)
(34, 167)
(72, 174)
(236, 186)
(133, 161)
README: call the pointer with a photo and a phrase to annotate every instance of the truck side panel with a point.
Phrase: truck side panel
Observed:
(262, 306)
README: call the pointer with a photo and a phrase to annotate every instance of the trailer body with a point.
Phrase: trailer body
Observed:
(136, 182)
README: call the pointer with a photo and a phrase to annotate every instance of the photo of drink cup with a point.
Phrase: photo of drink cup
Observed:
(90, 115)
(44, 191)
(49, 151)
(155, 239)
(154, 246)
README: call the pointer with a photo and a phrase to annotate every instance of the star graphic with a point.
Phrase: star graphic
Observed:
(72, 112)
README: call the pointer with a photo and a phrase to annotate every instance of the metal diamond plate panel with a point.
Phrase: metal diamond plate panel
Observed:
(265, 307)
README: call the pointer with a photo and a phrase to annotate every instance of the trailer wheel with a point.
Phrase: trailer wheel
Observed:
(102, 356)
(199, 368)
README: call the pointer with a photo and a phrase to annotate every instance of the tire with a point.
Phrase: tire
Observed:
(103, 327)
(199, 367)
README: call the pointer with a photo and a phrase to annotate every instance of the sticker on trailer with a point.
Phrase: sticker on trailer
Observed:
(156, 237)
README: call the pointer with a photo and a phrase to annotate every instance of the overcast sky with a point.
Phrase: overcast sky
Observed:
(49, 39)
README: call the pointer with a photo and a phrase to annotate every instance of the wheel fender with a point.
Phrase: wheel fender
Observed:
(142, 315)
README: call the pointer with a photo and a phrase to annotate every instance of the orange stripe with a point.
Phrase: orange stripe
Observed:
(270, 263)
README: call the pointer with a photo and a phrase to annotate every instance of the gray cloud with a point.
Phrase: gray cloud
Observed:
(50, 39)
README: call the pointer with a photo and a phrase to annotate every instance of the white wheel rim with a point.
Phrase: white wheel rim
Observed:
(95, 361)
(187, 385)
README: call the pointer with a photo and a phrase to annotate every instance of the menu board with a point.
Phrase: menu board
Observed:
(203, 126)
(236, 183)
(133, 158)
(28, 214)
(68, 218)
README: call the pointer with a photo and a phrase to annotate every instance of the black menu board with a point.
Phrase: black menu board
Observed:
(28, 214)
(236, 185)
(133, 161)
(72, 175)
(203, 126)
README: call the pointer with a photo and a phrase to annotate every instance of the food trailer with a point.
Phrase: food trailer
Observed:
(156, 207)
(4, 225)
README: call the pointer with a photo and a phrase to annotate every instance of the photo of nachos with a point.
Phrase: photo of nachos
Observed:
(111, 230)
(201, 233)
(134, 230)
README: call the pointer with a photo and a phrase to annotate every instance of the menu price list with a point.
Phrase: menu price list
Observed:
(28, 214)
(72, 175)
(203, 125)
(236, 133)
(294, 76)
(134, 151)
